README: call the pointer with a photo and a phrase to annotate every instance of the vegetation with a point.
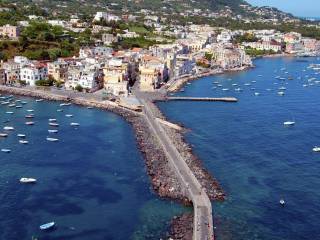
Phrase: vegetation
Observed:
(128, 43)
(45, 83)
(78, 88)
(256, 52)
(247, 37)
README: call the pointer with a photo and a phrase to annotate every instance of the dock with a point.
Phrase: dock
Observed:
(203, 99)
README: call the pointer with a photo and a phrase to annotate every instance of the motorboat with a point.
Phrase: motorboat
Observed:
(11, 105)
(5, 150)
(52, 120)
(52, 139)
(29, 123)
(53, 131)
(282, 88)
(75, 124)
(9, 112)
(89, 107)
(70, 115)
(39, 100)
(23, 102)
(59, 110)
(21, 135)
(7, 128)
(225, 89)
(256, 94)
(238, 89)
(30, 110)
(65, 104)
(18, 106)
(28, 180)
(316, 149)
(23, 141)
(289, 123)
(47, 226)
(3, 135)
(53, 124)
(282, 202)
(281, 93)
(29, 116)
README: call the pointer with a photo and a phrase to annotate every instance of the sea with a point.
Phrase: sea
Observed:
(257, 159)
(92, 183)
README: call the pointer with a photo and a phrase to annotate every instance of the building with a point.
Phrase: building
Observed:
(12, 72)
(264, 45)
(224, 37)
(116, 76)
(58, 70)
(108, 38)
(2, 76)
(95, 52)
(100, 16)
(33, 73)
(87, 77)
(9, 31)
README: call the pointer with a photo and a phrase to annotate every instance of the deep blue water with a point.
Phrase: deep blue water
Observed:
(92, 182)
(255, 158)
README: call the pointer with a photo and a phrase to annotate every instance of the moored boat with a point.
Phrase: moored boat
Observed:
(47, 226)
(21, 135)
(23, 141)
(316, 149)
(3, 135)
(8, 128)
(74, 124)
(28, 180)
(5, 150)
(29, 123)
(289, 123)
(53, 124)
(52, 131)
(52, 139)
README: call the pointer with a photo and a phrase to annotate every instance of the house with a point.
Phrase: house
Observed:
(264, 45)
(292, 37)
(2, 76)
(87, 77)
(100, 16)
(116, 76)
(33, 73)
(95, 52)
(58, 70)
(224, 37)
(12, 72)
(9, 31)
(108, 38)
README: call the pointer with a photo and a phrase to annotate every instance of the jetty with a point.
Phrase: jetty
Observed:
(203, 222)
(203, 99)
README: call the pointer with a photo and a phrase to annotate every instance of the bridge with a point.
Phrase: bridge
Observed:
(203, 222)
(203, 99)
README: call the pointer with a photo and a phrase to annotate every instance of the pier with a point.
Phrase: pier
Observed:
(203, 99)
(203, 222)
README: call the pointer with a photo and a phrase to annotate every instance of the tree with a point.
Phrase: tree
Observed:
(79, 88)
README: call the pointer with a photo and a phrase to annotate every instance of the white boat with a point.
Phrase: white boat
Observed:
(18, 106)
(70, 115)
(11, 105)
(59, 110)
(89, 107)
(256, 94)
(238, 89)
(52, 120)
(289, 123)
(225, 89)
(23, 141)
(74, 124)
(47, 226)
(29, 116)
(3, 135)
(5, 150)
(53, 124)
(282, 202)
(7, 128)
(28, 180)
(30, 110)
(52, 131)
(21, 135)
(316, 149)
(39, 100)
(29, 123)
(52, 139)
(23, 102)
(9, 112)
(247, 84)
(282, 88)
(65, 104)
(281, 93)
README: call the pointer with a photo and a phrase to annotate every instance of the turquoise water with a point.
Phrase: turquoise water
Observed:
(92, 182)
(256, 159)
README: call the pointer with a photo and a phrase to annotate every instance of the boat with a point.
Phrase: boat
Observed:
(89, 107)
(59, 110)
(316, 149)
(23, 141)
(28, 180)
(282, 202)
(47, 226)
(65, 104)
(52, 131)
(39, 100)
(247, 84)
(225, 89)
(29, 116)
(238, 89)
(9, 112)
(18, 106)
(23, 102)
(3, 135)
(11, 105)
(5, 150)
(234, 84)
(289, 123)
(281, 93)
(74, 124)
(52, 139)
(70, 115)
(282, 88)
(29, 123)
(21, 135)
(256, 94)
(53, 124)
(7, 128)
(52, 120)
(30, 110)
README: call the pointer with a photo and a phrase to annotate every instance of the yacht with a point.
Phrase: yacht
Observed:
(47, 226)
(9, 112)
(289, 123)
(316, 149)
(52, 139)
(28, 180)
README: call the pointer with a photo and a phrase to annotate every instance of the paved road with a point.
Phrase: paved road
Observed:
(203, 223)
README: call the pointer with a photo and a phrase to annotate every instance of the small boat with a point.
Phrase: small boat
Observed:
(39, 100)
(316, 149)
(89, 107)
(18, 106)
(282, 202)
(5, 150)
(23, 102)
(47, 226)
(30, 110)
(289, 123)
(3, 135)
(70, 115)
(4, 103)
(256, 94)
(281, 93)
(65, 104)
(59, 110)
(23, 141)
(11, 105)
(75, 124)
(29, 123)
(52, 120)
(29, 116)
(253, 81)
(225, 89)
(53, 131)
(9, 112)
(282, 88)
(52, 139)
(238, 89)
(247, 84)
(21, 135)
(28, 180)
(53, 124)
(7, 128)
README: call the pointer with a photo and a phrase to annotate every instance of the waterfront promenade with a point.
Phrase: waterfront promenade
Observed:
(203, 222)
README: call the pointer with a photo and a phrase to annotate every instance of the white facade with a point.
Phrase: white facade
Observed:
(31, 74)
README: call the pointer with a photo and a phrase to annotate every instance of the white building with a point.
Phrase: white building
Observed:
(105, 16)
(33, 73)
(224, 37)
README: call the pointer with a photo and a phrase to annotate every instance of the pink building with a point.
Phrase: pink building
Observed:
(10, 31)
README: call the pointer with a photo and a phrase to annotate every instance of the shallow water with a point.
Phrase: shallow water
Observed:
(92, 182)
(257, 160)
